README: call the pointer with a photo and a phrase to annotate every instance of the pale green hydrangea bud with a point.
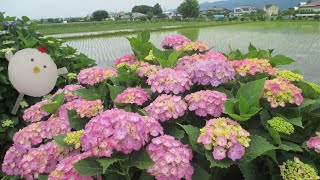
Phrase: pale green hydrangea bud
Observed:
(281, 125)
(297, 170)
(72, 76)
(7, 123)
(315, 86)
(290, 76)
(24, 104)
(73, 138)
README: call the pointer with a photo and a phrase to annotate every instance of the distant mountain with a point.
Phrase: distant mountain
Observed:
(230, 4)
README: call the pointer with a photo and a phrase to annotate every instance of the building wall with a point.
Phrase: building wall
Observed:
(272, 10)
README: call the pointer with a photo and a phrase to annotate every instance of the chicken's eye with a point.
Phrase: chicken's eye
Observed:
(32, 60)
(44, 66)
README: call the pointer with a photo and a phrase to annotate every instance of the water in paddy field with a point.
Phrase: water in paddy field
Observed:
(298, 40)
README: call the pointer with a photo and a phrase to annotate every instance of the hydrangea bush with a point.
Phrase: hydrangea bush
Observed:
(17, 34)
(184, 114)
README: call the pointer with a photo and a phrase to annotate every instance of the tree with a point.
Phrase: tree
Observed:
(144, 9)
(100, 15)
(149, 15)
(189, 9)
(157, 10)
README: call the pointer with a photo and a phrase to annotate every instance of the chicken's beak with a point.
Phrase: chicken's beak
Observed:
(36, 69)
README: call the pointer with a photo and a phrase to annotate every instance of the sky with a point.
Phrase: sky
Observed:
(37, 9)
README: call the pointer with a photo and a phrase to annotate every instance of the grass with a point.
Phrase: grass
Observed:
(60, 28)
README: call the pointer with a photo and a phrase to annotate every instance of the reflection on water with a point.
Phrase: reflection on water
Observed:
(300, 41)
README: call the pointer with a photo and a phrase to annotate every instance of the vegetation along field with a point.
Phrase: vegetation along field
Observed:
(298, 40)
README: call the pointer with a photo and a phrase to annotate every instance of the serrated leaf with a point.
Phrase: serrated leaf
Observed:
(88, 167)
(243, 105)
(172, 130)
(225, 163)
(145, 36)
(115, 90)
(289, 146)
(75, 121)
(200, 173)
(296, 121)
(106, 162)
(252, 48)
(140, 159)
(258, 146)
(280, 60)
(87, 94)
(193, 134)
(307, 90)
(173, 58)
(59, 140)
(248, 170)
(54, 106)
(43, 176)
(252, 91)
(275, 135)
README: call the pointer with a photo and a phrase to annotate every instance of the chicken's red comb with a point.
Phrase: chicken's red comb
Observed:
(42, 49)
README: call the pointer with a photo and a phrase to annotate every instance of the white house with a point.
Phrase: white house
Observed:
(271, 9)
(310, 7)
(247, 9)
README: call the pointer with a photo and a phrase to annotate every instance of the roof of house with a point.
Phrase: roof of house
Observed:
(217, 9)
(312, 4)
(267, 6)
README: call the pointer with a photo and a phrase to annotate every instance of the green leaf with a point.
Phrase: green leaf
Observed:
(243, 105)
(25, 18)
(296, 121)
(87, 94)
(289, 146)
(173, 58)
(308, 91)
(145, 176)
(252, 91)
(252, 48)
(248, 170)
(43, 176)
(200, 173)
(140, 159)
(172, 130)
(145, 36)
(115, 90)
(106, 162)
(193, 134)
(258, 146)
(225, 163)
(280, 60)
(59, 140)
(54, 106)
(88, 167)
(75, 121)
(275, 135)
(9, 177)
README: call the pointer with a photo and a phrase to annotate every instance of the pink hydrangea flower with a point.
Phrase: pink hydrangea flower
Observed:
(219, 153)
(314, 143)
(193, 47)
(35, 133)
(236, 152)
(207, 102)
(69, 95)
(168, 80)
(85, 108)
(65, 170)
(147, 70)
(95, 75)
(12, 161)
(280, 91)
(133, 96)
(117, 130)
(212, 72)
(253, 67)
(224, 135)
(128, 58)
(166, 107)
(173, 41)
(171, 157)
(35, 113)
(43, 159)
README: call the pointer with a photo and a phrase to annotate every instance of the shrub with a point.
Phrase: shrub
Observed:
(196, 115)
(17, 34)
